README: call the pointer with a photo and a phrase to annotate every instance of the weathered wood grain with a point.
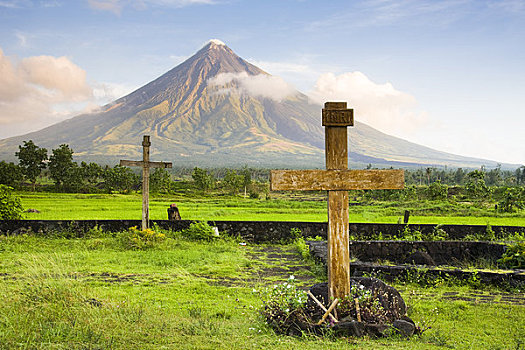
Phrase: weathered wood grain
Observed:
(140, 163)
(335, 120)
(338, 244)
(336, 150)
(328, 180)
(336, 114)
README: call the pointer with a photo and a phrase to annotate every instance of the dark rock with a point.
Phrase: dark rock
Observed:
(320, 292)
(376, 330)
(351, 329)
(408, 319)
(420, 258)
(359, 329)
(388, 296)
(93, 302)
(21, 231)
(347, 319)
(404, 328)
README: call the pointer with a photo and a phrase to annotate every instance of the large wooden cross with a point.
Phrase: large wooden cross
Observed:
(145, 164)
(337, 180)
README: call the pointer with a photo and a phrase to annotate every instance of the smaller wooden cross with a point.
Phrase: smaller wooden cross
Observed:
(145, 164)
(337, 180)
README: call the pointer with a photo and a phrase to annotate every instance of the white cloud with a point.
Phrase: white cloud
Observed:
(379, 13)
(281, 67)
(22, 39)
(40, 90)
(107, 92)
(515, 7)
(262, 85)
(378, 105)
(15, 3)
(116, 6)
(59, 76)
(19, 4)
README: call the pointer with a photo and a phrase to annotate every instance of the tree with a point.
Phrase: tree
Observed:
(476, 187)
(232, 181)
(160, 180)
(493, 177)
(10, 206)
(120, 179)
(32, 160)
(437, 190)
(91, 173)
(459, 176)
(429, 173)
(246, 178)
(520, 175)
(513, 200)
(10, 174)
(62, 168)
(202, 179)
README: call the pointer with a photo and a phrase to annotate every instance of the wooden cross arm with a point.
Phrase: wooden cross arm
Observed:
(336, 180)
(141, 164)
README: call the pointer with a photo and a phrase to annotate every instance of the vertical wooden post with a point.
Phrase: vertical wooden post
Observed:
(338, 241)
(145, 182)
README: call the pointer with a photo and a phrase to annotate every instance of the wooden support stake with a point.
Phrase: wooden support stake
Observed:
(334, 303)
(321, 305)
(357, 310)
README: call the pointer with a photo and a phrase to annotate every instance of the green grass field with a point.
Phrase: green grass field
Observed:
(66, 206)
(92, 293)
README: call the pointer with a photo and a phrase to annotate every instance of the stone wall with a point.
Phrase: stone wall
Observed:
(254, 231)
(441, 252)
(390, 273)
(371, 252)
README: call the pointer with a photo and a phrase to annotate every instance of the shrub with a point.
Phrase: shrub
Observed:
(10, 206)
(410, 235)
(514, 256)
(488, 235)
(136, 239)
(476, 187)
(513, 200)
(437, 234)
(200, 231)
(437, 191)
(283, 305)
(302, 248)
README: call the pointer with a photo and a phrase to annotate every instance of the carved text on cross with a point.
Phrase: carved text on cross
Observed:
(145, 164)
(337, 180)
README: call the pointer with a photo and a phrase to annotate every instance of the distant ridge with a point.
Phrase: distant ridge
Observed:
(196, 122)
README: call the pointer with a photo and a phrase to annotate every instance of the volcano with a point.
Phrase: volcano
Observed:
(216, 109)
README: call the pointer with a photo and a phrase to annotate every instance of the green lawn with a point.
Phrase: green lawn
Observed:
(92, 294)
(65, 206)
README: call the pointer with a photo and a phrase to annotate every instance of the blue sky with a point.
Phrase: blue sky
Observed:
(446, 74)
